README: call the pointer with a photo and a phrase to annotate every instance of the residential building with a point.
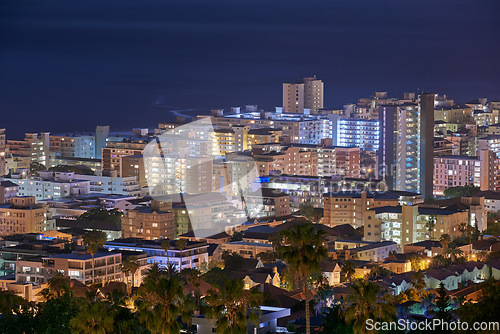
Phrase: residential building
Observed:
(303, 94)
(63, 146)
(115, 150)
(375, 251)
(22, 215)
(247, 249)
(3, 153)
(150, 223)
(363, 133)
(241, 138)
(101, 136)
(133, 166)
(192, 256)
(52, 185)
(8, 190)
(455, 170)
(267, 321)
(77, 265)
(407, 224)
(406, 148)
(302, 188)
(348, 207)
(34, 146)
(85, 147)
(453, 114)
(296, 128)
(267, 203)
(125, 185)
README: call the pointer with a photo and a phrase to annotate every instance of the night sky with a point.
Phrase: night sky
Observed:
(69, 65)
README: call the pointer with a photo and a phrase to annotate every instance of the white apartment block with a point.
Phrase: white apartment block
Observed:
(113, 185)
(51, 185)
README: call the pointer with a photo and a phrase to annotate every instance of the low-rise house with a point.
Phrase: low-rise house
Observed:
(267, 322)
(259, 234)
(430, 248)
(363, 250)
(218, 238)
(247, 249)
(254, 277)
(456, 274)
(113, 230)
(397, 263)
(397, 283)
(331, 272)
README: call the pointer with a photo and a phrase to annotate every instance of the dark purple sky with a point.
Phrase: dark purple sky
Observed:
(69, 65)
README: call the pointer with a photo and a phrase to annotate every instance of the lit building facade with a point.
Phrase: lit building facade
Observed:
(363, 133)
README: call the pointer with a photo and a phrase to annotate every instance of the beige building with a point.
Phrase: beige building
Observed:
(76, 265)
(303, 94)
(63, 146)
(133, 165)
(150, 223)
(241, 138)
(24, 216)
(453, 114)
(348, 207)
(34, 146)
(291, 160)
(407, 224)
(114, 151)
(268, 203)
(247, 249)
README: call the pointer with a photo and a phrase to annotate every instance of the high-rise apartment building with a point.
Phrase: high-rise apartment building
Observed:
(3, 152)
(406, 150)
(304, 94)
(34, 146)
(101, 134)
(114, 151)
(454, 171)
(363, 133)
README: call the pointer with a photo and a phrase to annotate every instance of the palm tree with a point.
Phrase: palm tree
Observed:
(58, 283)
(348, 270)
(468, 230)
(367, 301)
(430, 224)
(166, 247)
(160, 302)
(231, 305)
(181, 245)
(93, 318)
(275, 240)
(130, 266)
(445, 240)
(93, 240)
(454, 252)
(418, 282)
(303, 248)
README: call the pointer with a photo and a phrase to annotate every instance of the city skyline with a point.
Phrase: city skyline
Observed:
(128, 58)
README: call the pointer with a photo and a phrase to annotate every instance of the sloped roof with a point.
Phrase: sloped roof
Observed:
(203, 288)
